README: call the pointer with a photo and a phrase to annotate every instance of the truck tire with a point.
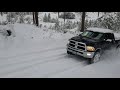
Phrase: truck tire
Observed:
(95, 58)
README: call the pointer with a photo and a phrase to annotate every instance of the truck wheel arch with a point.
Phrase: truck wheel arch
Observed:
(91, 60)
(98, 50)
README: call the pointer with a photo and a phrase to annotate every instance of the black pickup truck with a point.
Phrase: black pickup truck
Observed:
(93, 42)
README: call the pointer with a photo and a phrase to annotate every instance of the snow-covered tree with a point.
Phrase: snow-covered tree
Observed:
(45, 18)
(21, 19)
(49, 17)
(109, 20)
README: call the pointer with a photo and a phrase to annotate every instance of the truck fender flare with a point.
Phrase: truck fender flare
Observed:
(98, 50)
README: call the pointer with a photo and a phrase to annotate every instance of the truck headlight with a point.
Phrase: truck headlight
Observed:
(90, 48)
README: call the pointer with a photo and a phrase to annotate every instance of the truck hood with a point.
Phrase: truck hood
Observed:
(87, 41)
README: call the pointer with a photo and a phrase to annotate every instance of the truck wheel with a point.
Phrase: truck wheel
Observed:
(95, 58)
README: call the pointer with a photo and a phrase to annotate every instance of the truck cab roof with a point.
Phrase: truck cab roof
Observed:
(101, 30)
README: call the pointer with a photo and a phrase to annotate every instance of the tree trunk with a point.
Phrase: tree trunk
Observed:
(83, 22)
(98, 14)
(36, 19)
(33, 17)
(58, 14)
(64, 17)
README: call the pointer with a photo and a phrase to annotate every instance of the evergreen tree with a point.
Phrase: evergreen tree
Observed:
(21, 17)
(49, 18)
(45, 18)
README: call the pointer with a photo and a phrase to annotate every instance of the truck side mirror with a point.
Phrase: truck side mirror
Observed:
(109, 40)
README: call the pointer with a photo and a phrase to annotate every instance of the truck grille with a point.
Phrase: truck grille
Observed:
(77, 45)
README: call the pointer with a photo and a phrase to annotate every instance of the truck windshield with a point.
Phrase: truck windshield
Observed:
(92, 35)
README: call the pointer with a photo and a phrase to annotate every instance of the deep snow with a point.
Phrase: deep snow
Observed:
(40, 52)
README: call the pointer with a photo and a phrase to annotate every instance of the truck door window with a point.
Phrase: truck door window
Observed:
(105, 37)
(108, 37)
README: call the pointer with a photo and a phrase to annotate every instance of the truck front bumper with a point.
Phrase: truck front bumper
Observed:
(85, 54)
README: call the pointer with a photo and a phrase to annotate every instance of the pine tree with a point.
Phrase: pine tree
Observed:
(49, 17)
(21, 17)
(45, 18)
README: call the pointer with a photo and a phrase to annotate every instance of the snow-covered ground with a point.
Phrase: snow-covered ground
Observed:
(41, 53)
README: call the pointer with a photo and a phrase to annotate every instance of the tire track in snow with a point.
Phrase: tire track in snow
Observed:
(71, 69)
(67, 69)
(31, 53)
(83, 63)
(21, 68)
(29, 60)
(67, 61)
(33, 56)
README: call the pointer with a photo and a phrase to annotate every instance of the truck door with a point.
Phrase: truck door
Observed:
(112, 38)
(108, 41)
